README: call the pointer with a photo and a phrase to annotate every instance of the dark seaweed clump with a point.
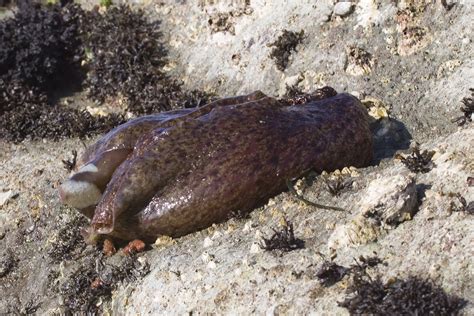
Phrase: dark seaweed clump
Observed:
(418, 161)
(295, 96)
(370, 296)
(43, 48)
(7, 263)
(42, 59)
(412, 296)
(55, 50)
(69, 241)
(283, 239)
(96, 280)
(42, 120)
(284, 46)
(126, 58)
(330, 273)
(467, 109)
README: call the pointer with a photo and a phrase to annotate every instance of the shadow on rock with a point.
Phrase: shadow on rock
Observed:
(390, 135)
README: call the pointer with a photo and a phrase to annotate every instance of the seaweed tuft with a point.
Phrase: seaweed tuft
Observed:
(335, 186)
(283, 239)
(284, 46)
(467, 109)
(330, 273)
(418, 161)
(295, 96)
(95, 280)
(69, 240)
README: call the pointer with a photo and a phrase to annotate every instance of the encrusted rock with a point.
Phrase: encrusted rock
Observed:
(388, 201)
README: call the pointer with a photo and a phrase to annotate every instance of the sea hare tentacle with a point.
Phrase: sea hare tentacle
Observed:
(86, 186)
(177, 172)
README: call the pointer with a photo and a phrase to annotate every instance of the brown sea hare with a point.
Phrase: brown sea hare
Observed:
(181, 171)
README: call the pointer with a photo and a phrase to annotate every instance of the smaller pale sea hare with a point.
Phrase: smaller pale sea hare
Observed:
(177, 172)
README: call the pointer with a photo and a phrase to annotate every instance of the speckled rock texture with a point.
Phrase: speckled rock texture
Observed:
(413, 57)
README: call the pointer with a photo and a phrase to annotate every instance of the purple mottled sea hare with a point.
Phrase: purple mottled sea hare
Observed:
(177, 172)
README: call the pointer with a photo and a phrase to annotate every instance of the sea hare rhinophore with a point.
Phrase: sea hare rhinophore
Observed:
(181, 171)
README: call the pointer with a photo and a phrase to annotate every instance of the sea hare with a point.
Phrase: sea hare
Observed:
(177, 172)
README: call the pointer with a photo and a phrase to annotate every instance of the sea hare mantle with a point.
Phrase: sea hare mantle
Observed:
(177, 172)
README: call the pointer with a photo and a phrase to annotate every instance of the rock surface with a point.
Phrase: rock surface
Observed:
(417, 62)
(388, 201)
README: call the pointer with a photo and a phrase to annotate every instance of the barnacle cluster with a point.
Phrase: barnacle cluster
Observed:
(57, 49)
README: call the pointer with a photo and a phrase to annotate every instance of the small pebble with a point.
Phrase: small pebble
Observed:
(343, 8)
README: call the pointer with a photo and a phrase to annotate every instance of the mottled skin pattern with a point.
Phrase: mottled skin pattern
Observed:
(181, 171)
